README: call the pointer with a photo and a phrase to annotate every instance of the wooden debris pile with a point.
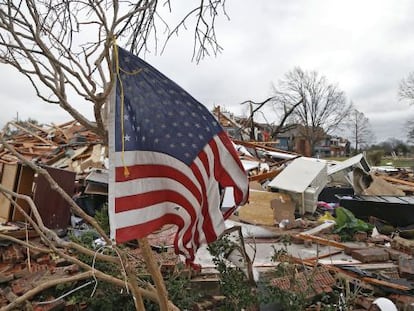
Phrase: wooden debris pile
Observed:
(68, 146)
(262, 161)
(403, 181)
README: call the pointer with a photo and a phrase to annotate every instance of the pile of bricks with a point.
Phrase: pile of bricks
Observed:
(21, 271)
(312, 282)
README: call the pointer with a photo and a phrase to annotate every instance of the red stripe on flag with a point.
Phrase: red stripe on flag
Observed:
(204, 159)
(207, 223)
(156, 197)
(142, 200)
(230, 148)
(144, 170)
(220, 172)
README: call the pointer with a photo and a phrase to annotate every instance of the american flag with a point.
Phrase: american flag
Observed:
(170, 159)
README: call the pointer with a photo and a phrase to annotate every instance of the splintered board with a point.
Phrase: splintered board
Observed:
(259, 210)
(8, 181)
(24, 186)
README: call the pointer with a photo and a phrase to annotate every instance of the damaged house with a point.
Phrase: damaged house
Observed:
(328, 221)
(288, 193)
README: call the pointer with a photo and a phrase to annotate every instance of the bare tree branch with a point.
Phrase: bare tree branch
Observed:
(406, 88)
(64, 48)
(360, 129)
(318, 106)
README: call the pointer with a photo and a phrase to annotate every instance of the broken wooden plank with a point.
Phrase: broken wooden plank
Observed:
(353, 277)
(397, 181)
(48, 142)
(264, 176)
(37, 127)
(320, 240)
(24, 186)
(8, 181)
(59, 129)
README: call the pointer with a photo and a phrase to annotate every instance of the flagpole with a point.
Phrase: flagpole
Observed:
(153, 269)
(148, 163)
(130, 273)
(155, 272)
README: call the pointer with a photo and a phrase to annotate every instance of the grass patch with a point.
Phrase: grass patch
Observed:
(399, 162)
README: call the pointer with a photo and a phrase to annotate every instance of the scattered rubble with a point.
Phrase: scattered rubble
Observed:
(290, 195)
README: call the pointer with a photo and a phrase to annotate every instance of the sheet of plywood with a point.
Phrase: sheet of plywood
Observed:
(53, 208)
(258, 211)
(8, 181)
(380, 186)
(24, 186)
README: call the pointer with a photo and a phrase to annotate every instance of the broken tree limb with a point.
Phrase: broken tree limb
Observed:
(46, 232)
(155, 272)
(49, 237)
(237, 254)
(23, 243)
(38, 289)
(243, 252)
(129, 271)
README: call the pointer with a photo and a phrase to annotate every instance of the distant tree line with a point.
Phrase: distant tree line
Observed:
(406, 93)
(309, 99)
(393, 146)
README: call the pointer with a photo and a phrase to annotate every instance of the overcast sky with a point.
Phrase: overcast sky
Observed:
(366, 47)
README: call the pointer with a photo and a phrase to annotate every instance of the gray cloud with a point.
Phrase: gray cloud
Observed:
(365, 47)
